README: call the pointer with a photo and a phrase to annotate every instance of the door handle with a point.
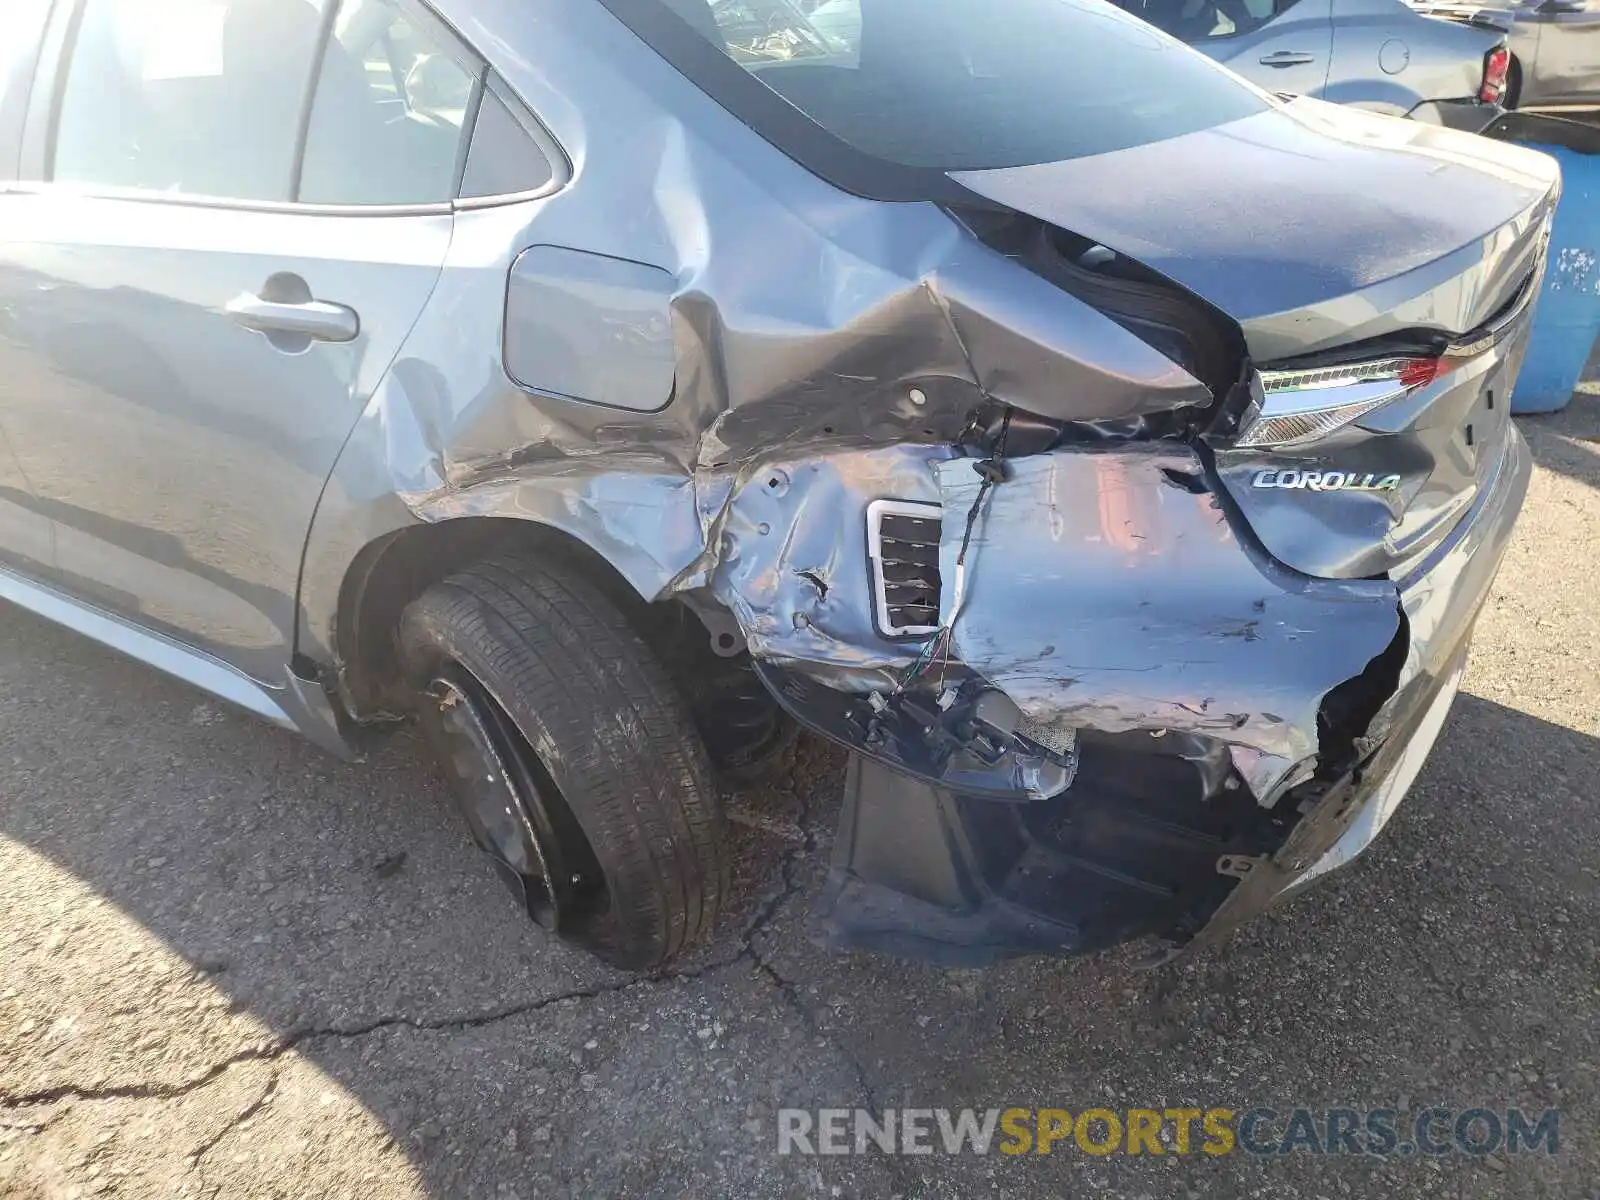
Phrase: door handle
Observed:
(315, 319)
(1287, 58)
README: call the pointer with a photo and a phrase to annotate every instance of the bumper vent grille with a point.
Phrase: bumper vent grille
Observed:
(903, 543)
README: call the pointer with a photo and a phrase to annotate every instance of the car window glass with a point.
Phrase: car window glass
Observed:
(388, 116)
(19, 34)
(199, 97)
(1199, 20)
(757, 31)
(951, 85)
(839, 21)
(504, 158)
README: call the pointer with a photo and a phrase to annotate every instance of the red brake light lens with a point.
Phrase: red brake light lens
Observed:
(1496, 66)
(1419, 372)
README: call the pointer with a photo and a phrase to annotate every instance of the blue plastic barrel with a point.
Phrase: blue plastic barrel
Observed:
(1567, 322)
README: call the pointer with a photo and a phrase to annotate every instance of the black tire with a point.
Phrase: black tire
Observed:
(622, 751)
(746, 735)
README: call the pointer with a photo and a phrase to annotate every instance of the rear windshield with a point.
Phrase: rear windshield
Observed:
(955, 85)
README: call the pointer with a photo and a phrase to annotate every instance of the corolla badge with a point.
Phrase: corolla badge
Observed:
(1326, 481)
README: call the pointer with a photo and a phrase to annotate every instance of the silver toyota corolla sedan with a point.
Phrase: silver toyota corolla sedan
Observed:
(1111, 456)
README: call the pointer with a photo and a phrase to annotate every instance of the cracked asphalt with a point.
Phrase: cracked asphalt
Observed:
(232, 966)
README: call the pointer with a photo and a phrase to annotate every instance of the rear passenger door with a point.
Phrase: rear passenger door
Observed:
(26, 536)
(1279, 45)
(236, 210)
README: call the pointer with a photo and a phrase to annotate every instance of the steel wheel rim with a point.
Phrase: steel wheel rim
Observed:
(515, 812)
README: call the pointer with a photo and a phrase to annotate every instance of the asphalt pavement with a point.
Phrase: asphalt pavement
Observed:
(232, 966)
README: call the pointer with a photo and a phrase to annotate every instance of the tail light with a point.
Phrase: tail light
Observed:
(1496, 66)
(1304, 406)
(1419, 372)
(1299, 406)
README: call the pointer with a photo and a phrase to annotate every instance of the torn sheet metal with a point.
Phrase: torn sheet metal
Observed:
(953, 748)
(1104, 594)
(1445, 592)
(803, 321)
(842, 344)
(792, 562)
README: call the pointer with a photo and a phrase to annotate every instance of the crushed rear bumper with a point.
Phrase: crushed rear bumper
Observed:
(1189, 812)
(1441, 598)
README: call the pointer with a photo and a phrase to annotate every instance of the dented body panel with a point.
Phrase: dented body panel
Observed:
(1127, 602)
(1313, 225)
(1153, 686)
(1179, 836)
(830, 351)
(856, 305)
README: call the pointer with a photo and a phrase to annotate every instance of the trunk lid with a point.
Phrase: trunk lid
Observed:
(1342, 244)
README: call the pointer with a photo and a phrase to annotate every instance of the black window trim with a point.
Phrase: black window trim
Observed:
(469, 128)
(543, 140)
(54, 67)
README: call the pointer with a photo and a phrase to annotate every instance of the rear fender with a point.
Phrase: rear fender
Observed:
(874, 329)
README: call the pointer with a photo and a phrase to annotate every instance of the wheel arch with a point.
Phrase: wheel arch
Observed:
(359, 615)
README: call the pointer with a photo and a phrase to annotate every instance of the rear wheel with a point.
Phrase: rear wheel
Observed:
(573, 757)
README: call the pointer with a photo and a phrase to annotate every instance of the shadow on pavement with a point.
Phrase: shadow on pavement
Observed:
(1454, 962)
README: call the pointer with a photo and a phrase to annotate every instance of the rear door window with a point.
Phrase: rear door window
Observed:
(395, 95)
(198, 97)
(504, 158)
(209, 98)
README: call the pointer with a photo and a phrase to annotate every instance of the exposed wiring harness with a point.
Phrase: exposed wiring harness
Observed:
(992, 470)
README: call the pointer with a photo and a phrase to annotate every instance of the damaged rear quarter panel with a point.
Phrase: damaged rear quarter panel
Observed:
(806, 324)
(792, 561)
(841, 343)
(827, 351)
(1103, 594)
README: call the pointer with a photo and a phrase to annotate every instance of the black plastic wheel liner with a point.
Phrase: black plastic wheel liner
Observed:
(1132, 848)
